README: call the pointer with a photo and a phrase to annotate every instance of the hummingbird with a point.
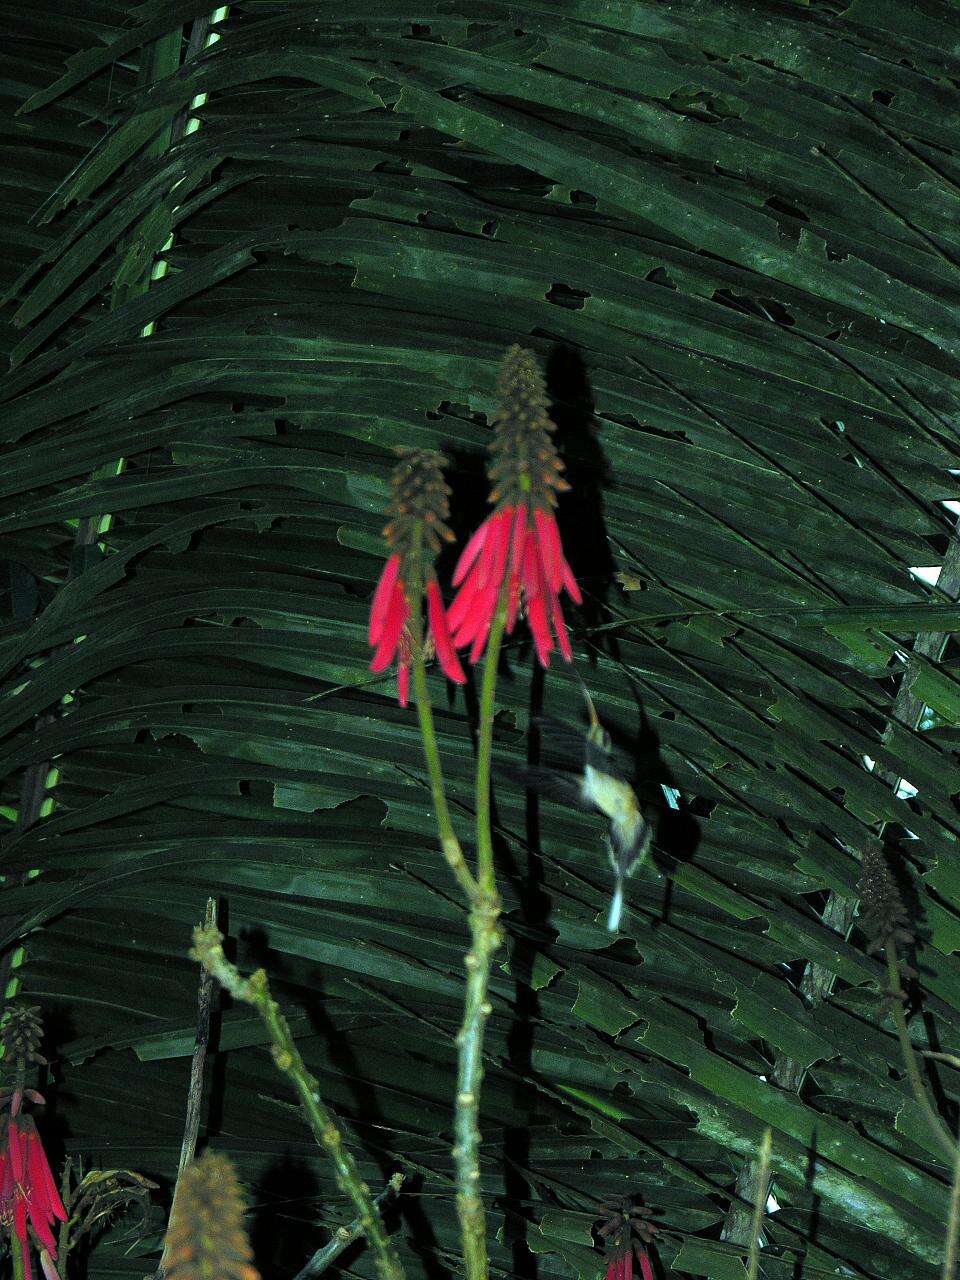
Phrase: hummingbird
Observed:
(599, 784)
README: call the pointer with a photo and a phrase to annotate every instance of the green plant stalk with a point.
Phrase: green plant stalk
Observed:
(208, 949)
(16, 1253)
(485, 871)
(63, 1238)
(953, 1221)
(449, 843)
(760, 1203)
(485, 938)
(937, 1127)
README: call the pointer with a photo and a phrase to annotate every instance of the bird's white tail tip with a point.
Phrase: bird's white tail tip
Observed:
(616, 910)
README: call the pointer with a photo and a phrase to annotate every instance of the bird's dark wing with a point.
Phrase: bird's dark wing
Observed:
(546, 782)
(562, 739)
(614, 762)
(573, 749)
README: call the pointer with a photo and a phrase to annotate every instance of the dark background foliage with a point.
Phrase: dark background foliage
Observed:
(239, 271)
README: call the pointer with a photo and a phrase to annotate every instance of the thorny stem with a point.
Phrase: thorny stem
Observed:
(485, 938)
(937, 1127)
(208, 949)
(344, 1236)
(191, 1126)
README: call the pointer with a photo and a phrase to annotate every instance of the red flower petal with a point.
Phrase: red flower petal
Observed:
(646, 1270)
(17, 1146)
(494, 559)
(449, 662)
(517, 538)
(560, 629)
(470, 616)
(482, 609)
(550, 552)
(464, 604)
(532, 569)
(403, 682)
(45, 1189)
(513, 604)
(20, 1224)
(628, 1267)
(471, 551)
(533, 588)
(381, 598)
(540, 629)
(480, 640)
(398, 612)
(570, 582)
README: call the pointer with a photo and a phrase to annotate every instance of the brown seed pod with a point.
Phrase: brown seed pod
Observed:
(206, 1238)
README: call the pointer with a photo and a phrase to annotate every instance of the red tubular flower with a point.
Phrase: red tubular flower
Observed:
(28, 1191)
(519, 543)
(620, 1266)
(418, 511)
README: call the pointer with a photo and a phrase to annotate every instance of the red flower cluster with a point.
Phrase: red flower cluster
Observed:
(416, 528)
(389, 634)
(27, 1190)
(514, 560)
(522, 545)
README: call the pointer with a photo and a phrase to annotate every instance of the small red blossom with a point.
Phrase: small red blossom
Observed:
(389, 631)
(521, 544)
(28, 1192)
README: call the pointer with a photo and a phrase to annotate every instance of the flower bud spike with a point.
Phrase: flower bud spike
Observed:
(419, 507)
(517, 549)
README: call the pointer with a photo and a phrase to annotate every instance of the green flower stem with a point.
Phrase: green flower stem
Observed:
(208, 949)
(760, 1203)
(16, 1252)
(937, 1127)
(485, 871)
(66, 1195)
(953, 1221)
(485, 938)
(448, 839)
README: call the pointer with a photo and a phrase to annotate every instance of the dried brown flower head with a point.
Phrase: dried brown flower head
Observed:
(206, 1239)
